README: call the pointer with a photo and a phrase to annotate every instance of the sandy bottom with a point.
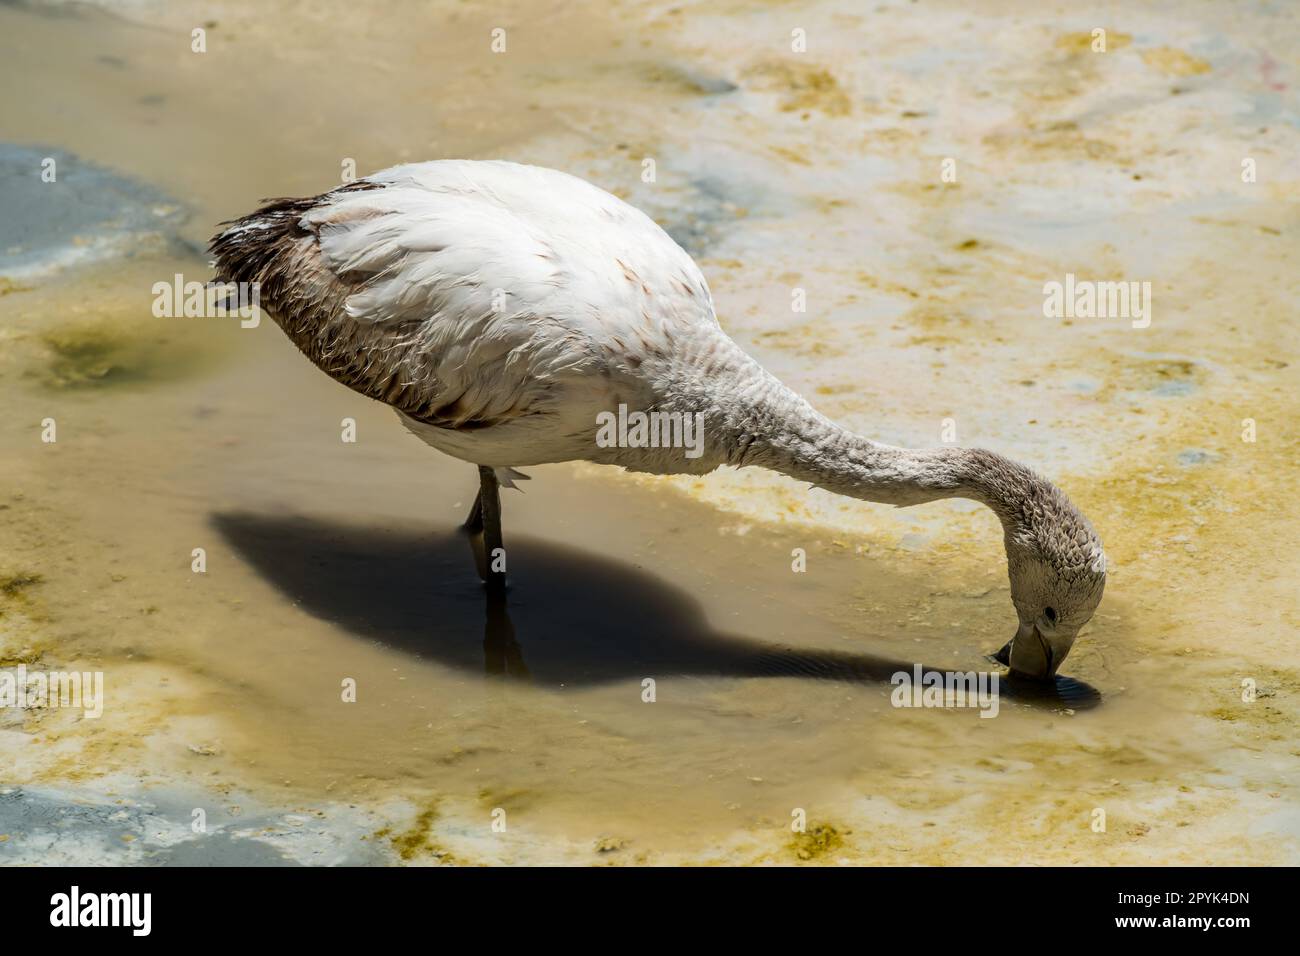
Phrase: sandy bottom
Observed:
(522, 733)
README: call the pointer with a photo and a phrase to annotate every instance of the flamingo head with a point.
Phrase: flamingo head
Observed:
(1058, 572)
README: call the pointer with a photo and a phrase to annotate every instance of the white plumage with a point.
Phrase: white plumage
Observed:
(501, 309)
(540, 293)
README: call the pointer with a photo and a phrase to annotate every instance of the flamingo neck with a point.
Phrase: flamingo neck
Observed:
(752, 419)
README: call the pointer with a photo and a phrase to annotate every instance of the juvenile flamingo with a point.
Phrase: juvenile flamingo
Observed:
(502, 308)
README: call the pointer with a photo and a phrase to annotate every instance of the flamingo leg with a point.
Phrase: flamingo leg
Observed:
(474, 521)
(484, 525)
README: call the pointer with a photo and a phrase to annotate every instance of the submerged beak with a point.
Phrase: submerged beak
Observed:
(1030, 654)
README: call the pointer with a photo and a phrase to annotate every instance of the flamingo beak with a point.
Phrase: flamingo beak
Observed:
(1030, 654)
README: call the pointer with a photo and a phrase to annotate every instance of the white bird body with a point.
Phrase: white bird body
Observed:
(502, 309)
(523, 301)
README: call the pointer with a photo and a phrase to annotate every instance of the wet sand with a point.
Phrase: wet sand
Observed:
(328, 561)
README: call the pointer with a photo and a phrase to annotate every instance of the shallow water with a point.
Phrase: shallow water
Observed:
(328, 560)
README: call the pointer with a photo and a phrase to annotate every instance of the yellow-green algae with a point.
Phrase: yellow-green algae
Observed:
(417, 841)
(817, 841)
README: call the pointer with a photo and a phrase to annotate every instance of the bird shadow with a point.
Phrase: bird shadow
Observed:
(569, 617)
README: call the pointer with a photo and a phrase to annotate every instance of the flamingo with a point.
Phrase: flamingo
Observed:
(504, 310)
